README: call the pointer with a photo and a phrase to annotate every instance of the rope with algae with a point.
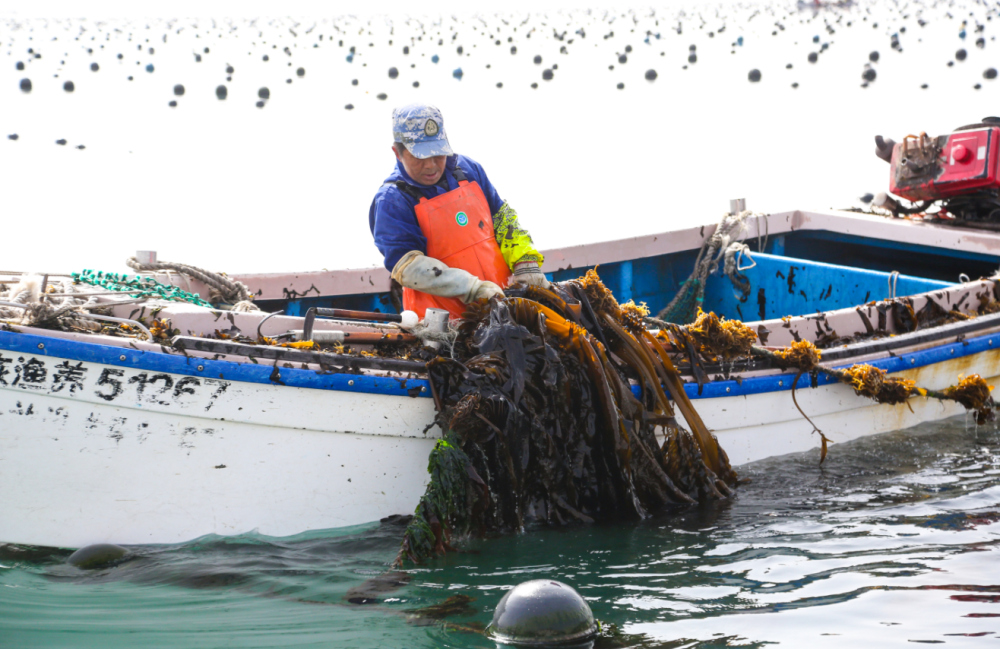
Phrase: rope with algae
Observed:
(729, 339)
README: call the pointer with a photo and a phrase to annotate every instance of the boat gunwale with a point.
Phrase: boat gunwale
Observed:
(400, 386)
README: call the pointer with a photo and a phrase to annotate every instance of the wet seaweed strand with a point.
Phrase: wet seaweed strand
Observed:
(541, 425)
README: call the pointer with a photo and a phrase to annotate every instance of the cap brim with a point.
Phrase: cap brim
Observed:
(430, 148)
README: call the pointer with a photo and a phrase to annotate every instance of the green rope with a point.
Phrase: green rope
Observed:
(683, 309)
(138, 286)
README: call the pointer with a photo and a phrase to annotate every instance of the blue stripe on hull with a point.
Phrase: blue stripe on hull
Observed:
(228, 370)
(293, 377)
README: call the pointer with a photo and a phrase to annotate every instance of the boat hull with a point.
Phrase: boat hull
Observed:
(129, 455)
(120, 451)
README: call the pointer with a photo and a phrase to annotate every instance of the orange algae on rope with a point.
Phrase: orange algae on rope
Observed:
(974, 393)
(720, 337)
(872, 382)
(801, 355)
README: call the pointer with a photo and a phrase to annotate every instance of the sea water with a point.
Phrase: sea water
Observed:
(891, 541)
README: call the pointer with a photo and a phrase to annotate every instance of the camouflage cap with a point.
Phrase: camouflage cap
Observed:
(420, 128)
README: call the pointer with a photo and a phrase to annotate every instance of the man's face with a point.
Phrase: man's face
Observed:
(427, 171)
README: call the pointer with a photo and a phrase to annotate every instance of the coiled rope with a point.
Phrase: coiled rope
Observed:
(235, 292)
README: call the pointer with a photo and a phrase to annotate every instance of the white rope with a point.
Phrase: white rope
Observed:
(893, 280)
(447, 337)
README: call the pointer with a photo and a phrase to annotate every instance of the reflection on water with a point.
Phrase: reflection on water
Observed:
(891, 541)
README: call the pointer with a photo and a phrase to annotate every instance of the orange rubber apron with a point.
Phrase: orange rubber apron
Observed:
(459, 230)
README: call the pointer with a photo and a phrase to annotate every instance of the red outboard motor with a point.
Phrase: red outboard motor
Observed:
(961, 170)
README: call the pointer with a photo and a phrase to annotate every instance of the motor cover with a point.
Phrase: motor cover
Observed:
(927, 169)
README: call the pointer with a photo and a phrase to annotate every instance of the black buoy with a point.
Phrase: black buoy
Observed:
(179, 90)
(547, 74)
(990, 73)
(25, 85)
(961, 54)
(69, 87)
(538, 59)
(651, 75)
(622, 58)
(754, 75)
(19, 65)
(301, 72)
(100, 555)
(813, 57)
(393, 73)
(264, 93)
(873, 57)
(221, 92)
(868, 75)
(542, 612)
(94, 67)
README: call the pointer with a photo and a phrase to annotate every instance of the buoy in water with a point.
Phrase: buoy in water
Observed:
(100, 555)
(542, 612)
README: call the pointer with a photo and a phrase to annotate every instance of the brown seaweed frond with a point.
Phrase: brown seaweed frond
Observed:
(801, 355)
(720, 337)
(974, 393)
(633, 315)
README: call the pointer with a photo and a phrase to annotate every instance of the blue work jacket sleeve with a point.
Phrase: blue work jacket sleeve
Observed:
(394, 226)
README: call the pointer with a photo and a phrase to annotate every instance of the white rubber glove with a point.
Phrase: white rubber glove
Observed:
(422, 273)
(528, 272)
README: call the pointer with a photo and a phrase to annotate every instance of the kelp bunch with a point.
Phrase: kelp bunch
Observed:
(542, 424)
(872, 382)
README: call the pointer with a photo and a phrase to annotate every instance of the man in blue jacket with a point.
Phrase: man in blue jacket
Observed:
(446, 235)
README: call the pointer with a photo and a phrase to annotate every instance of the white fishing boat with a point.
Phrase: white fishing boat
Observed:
(135, 439)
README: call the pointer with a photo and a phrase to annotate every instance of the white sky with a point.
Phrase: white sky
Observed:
(229, 186)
